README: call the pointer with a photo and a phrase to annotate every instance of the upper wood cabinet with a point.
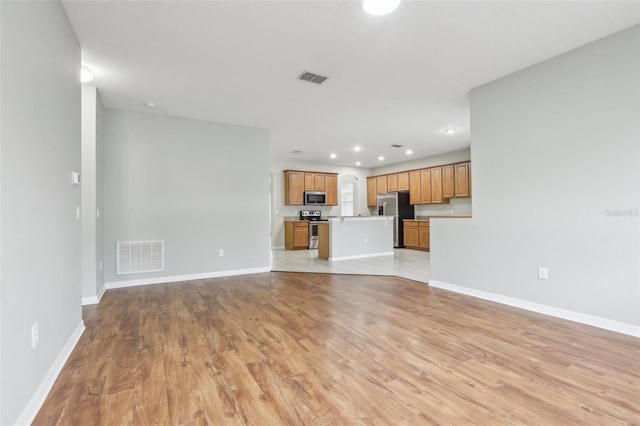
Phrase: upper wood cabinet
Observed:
(403, 181)
(436, 186)
(392, 182)
(425, 186)
(372, 200)
(414, 187)
(462, 180)
(294, 188)
(331, 188)
(381, 185)
(296, 182)
(448, 182)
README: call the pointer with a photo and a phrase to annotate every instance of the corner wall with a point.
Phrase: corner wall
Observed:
(40, 244)
(555, 172)
(198, 186)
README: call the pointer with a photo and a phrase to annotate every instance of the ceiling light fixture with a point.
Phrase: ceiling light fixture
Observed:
(450, 131)
(358, 163)
(380, 7)
(356, 148)
(151, 104)
(408, 152)
(333, 155)
(381, 158)
(85, 75)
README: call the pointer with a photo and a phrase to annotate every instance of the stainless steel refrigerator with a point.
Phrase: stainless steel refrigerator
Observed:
(396, 204)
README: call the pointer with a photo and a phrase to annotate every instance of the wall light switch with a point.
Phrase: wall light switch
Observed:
(543, 273)
(75, 178)
(221, 252)
(77, 212)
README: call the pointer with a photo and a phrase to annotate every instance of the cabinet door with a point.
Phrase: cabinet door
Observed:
(300, 235)
(403, 181)
(331, 187)
(309, 181)
(381, 185)
(463, 187)
(411, 238)
(423, 229)
(425, 186)
(414, 187)
(372, 200)
(392, 182)
(319, 182)
(448, 186)
(436, 186)
(293, 188)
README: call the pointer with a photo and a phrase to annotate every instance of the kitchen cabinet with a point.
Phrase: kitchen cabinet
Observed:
(462, 180)
(331, 187)
(436, 186)
(403, 181)
(425, 186)
(294, 184)
(416, 235)
(448, 182)
(411, 236)
(414, 187)
(372, 200)
(381, 185)
(424, 235)
(392, 182)
(296, 235)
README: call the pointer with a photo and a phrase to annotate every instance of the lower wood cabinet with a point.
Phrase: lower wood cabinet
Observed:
(416, 235)
(296, 235)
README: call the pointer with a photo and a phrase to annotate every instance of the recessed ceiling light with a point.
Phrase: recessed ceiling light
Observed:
(85, 75)
(380, 158)
(151, 105)
(333, 155)
(356, 148)
(450, 131)
(408, 152)
(358, 163)
(380, 7)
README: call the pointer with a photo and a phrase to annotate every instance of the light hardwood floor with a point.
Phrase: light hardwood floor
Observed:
(294, 348)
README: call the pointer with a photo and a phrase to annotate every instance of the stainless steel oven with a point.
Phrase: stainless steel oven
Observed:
(313, 216)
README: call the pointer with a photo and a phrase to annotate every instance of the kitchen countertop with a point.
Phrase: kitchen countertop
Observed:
(426, 218)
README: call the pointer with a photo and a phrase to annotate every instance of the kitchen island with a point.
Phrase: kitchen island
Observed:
(355, 237)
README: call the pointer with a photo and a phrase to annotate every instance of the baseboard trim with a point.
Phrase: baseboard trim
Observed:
(94, 300)
(360, 256)
(177, 278)
(578, 317)
(35, 403)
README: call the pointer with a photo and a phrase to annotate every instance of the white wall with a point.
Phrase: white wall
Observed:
(198, 186)
(40, 242)
(92, 203)
(554, 151)
(279, 211)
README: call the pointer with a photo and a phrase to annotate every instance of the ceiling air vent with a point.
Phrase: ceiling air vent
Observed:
(395, 145)
(311, 77)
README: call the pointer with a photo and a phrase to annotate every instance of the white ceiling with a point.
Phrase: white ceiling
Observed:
(401, 78)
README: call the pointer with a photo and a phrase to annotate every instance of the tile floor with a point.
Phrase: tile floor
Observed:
(411, 264)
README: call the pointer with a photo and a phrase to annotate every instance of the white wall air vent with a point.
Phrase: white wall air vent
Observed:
(311, 77)
(135, 257)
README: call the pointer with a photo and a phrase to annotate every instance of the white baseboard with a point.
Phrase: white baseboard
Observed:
(361, 256)
(277, 248)
(599, 322)
(94, 300)
(177, 278)
(35, 403)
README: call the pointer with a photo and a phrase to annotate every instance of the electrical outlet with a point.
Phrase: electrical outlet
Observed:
(101, 265)
(543, 273)
(77, 212)
(221, 252)
(35, 335)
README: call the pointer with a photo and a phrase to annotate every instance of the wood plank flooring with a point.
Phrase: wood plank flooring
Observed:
(301, 349)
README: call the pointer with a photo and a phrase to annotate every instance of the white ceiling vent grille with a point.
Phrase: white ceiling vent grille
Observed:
(311, 77)
(135, 257)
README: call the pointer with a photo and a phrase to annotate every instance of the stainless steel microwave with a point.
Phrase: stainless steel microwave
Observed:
(315, 198)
